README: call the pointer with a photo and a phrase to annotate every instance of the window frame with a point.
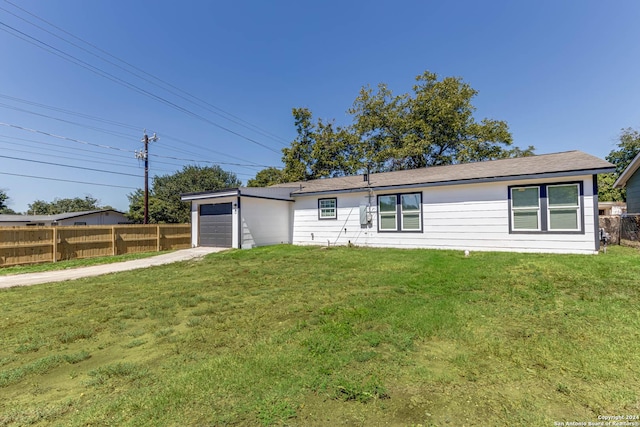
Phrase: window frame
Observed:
(577, 208)
(544, 216)
(512, 213)
(399, 214)
(321, 208)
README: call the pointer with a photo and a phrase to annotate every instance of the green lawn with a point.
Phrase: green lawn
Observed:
(340, 336)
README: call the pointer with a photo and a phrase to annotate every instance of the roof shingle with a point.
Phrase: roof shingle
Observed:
(571, 162)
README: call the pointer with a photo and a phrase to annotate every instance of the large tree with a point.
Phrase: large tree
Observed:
(58, 206)
(432, 126)
(628, 148)
(165, 205)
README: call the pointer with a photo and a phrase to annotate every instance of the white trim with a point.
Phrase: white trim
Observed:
(526, 208)
(187, 198)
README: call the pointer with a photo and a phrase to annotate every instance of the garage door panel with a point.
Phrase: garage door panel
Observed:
(216, 224)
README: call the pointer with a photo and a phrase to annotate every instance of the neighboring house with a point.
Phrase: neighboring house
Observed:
(96, 217)
(612, 208)
(630, 178)
(545, 203)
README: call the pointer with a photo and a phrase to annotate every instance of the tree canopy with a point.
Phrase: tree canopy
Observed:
(628, 148)
(58, 206)
(266, 177)
(165, 205)
(3, 200)
(432, 126)
(4, 208)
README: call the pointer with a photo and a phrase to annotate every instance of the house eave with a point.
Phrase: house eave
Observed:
(208, 195)
(621, 182)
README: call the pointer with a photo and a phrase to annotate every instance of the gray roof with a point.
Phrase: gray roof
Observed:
(558, 164)
(56, 217)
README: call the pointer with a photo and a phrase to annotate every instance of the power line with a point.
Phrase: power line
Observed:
(51, 49)
(109, 132)
(66, 180)
(63, 157)
(246, 124)
(69, 166)
(182, 141)
(73, 113)
(64, 137)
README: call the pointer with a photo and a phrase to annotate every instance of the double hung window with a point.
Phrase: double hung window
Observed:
(400, 212)
(546, 208)
(327, 208)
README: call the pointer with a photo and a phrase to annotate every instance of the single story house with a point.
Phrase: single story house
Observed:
(612, 208)
(95, 217)
(545, 203)
(630, 178)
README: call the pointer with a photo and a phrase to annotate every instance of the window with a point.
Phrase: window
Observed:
(387, 210)
(546, 208)
(525, 206)
(327, 208)
(564, 204)
(400, 212)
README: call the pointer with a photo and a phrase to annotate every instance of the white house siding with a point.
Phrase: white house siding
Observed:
(265, 222)
(470, 216)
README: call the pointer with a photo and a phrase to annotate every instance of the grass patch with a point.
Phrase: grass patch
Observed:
(74, 263)
(314, 336)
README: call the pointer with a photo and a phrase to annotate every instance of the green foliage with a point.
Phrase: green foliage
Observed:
(58, 206)
(606, 192)
(3, 201)
(165, 206)
(267, 177)
(4, 208)
(433, 126)
(628, 148)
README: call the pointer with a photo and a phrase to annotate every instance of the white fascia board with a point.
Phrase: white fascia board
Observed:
(188, 198)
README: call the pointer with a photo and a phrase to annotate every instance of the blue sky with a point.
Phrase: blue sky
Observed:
(562, 74)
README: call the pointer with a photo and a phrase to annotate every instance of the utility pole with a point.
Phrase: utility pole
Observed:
(144, 155)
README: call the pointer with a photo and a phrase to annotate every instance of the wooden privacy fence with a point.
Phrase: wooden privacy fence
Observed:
(30, 245)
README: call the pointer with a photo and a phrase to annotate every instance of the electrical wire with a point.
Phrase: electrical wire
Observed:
(73, 113)
(109, 132)
(51, 49)
(67, 180)
(246, 124)
(125, 136)
(64, 137)
(70, 166)
(99, 161)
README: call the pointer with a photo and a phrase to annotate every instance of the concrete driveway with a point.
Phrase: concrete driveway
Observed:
(98, 270)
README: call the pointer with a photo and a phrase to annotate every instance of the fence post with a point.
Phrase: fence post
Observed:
(114, 248)
(55, 244)
(158, 240)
